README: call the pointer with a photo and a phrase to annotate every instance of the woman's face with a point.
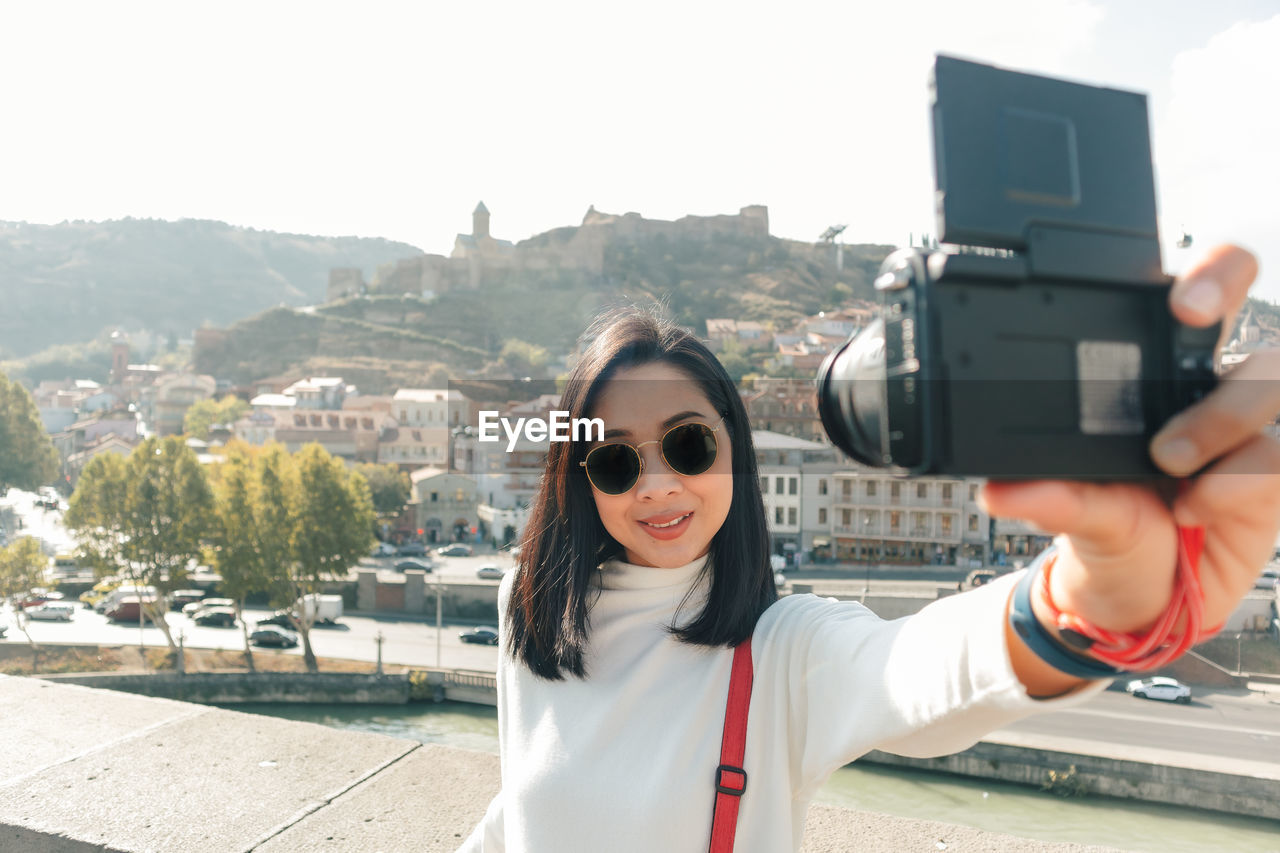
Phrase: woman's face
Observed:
(639, 405)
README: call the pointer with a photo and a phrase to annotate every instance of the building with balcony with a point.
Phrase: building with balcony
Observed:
(443, 506)
(878, 518)
(785, 464)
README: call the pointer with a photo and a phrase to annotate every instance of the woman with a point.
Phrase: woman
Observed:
(646, 562)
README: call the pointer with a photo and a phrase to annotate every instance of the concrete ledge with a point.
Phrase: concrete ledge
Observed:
(225, 688)
(95, 770)
(1249, 788)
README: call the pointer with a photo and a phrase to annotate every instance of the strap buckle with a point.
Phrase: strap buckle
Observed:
(720, 780)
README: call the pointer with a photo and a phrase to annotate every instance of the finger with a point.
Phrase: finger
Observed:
(1245, 401)
(1244, 487)
(1239, 497)
(1100, 519)
(1214, 287)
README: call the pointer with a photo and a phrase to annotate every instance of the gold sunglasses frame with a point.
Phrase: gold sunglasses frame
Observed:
(635, 448)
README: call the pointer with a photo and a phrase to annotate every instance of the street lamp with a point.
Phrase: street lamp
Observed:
(866, 560)
(439, 609)
(378, 638)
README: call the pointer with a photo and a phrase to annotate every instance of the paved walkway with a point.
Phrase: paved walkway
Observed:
(87, 770)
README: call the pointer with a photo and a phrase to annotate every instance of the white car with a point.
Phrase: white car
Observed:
(1160, 687)
(203, 604)
(51, 612)
(489, 573)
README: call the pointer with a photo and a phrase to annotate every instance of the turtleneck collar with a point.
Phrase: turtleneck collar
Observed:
(616, 574)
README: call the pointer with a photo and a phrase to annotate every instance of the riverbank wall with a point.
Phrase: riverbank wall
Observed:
(1242, 788)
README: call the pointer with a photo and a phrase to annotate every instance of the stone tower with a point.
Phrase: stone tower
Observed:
(480, 221)
(1250, 331)
(119, 357)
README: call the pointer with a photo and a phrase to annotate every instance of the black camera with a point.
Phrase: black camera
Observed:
(1040, 342)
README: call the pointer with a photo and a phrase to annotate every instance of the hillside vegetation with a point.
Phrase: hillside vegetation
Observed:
(68, 283)
(459, 332)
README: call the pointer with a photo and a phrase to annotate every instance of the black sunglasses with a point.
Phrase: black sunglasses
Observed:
(688, 449)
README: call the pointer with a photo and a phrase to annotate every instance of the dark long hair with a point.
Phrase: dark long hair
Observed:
(548, 611)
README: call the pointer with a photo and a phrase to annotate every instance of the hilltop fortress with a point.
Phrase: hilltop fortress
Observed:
(478, 258)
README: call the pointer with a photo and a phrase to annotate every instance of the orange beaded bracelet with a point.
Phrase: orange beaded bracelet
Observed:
(1156, 647)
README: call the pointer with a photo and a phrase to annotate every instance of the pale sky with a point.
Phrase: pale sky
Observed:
(393, 119)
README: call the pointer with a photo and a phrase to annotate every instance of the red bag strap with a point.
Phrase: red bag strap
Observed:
(731, 779)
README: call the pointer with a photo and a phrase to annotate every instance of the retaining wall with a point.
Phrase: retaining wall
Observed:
(1131, 780)
(222, 688)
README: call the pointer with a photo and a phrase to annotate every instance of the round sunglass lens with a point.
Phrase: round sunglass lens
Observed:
(613, 468)
(690, 449)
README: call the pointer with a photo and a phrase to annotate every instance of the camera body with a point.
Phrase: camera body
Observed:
(1043, 345)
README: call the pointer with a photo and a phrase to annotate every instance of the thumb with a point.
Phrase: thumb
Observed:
(1104, 522)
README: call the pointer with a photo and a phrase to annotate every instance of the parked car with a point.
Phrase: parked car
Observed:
(280, 619)
(490, 573)
(275, 637)
(455, 550)
(120, 593)
(483, 635)
(412, 549)
(128, 608)
(100, 590)
(383, 549)
(182, 597)
(40, 596)
(1160, 687)
(193, 608)
(51, 612)
(1268, 579)
(417, 565)
(217, 617)
(978, 577)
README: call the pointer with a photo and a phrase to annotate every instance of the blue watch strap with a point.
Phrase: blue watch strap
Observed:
(1043, 644)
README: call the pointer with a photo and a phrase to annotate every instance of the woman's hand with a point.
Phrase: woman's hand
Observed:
(1118, 555)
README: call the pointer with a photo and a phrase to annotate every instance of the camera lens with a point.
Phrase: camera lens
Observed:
(851, 395)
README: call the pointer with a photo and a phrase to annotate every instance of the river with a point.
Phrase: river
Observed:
(994, 806)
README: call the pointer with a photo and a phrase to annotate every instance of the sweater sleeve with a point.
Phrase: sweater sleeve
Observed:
(928, 684)
(489, 835)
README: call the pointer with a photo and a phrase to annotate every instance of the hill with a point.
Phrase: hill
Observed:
(461, 330)
(67, 283)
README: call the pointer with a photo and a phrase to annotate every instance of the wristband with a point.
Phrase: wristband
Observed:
(1174, 632)
(1045, 645)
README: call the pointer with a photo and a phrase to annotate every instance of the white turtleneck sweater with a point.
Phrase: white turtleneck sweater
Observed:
(625, 759)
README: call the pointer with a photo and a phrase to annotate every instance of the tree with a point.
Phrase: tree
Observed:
(204, 414)
(734, 358)
(146, 519)
(96, 513)
(332, 524)
(388, 486)
(523, 358)
(27, 457)
(241, 535)
(22, 567)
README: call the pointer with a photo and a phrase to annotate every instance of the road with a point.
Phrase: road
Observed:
(410, 642)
